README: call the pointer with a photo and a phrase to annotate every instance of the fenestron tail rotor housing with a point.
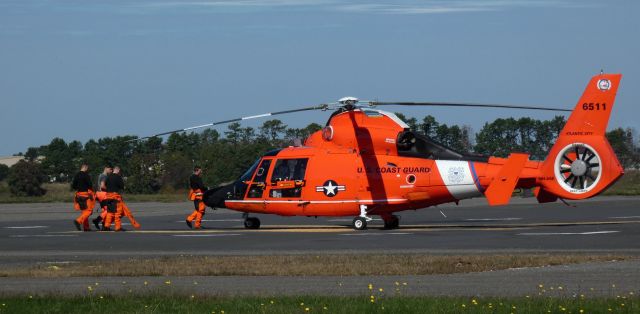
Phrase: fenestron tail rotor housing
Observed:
(577, 168)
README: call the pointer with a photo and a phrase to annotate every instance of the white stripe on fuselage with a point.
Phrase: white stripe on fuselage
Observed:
(458, 179)
(389, 200)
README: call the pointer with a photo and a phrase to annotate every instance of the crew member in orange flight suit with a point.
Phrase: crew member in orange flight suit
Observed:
(114, 185)
(195, 194)
(101, 195)
(84, 199)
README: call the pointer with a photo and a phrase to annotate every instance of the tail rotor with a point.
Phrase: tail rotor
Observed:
(578, 168)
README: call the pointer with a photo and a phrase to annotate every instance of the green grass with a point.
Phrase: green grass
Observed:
(313, 304)
(629, 184)
(302, 265)
(58, 192)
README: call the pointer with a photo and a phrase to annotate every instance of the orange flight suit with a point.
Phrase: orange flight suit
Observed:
(114, 211)
(198, 204)
(114, 200)
(84, 202)
(101, 196)
(127, 213)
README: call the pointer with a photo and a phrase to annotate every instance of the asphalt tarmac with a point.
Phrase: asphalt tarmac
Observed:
(44, 232)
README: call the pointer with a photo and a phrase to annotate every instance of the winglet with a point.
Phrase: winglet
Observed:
(500, 189)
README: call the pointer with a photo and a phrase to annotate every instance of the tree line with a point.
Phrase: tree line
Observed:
(157, 166)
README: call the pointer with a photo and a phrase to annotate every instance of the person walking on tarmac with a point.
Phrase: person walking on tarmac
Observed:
(114, 186)
(101, 195)
(84, 199)
(195, 194)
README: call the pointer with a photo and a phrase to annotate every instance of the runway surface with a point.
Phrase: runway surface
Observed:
(36, 233)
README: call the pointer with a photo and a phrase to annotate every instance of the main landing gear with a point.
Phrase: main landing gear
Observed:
(360, 222)
(251, 222)
(391, 222)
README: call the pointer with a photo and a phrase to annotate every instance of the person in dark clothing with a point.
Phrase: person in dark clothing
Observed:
(114, 186)
(84, 199)
(195, 194)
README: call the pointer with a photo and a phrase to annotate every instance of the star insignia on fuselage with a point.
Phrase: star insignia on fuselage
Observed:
(330, 188)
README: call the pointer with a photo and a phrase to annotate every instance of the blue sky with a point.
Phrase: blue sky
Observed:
(90, 69)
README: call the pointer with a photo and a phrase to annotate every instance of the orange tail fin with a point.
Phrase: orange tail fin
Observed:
(582, 164)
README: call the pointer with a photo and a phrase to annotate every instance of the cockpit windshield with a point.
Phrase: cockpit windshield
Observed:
(249, 173)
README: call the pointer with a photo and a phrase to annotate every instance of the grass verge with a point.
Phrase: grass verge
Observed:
(302, 265)
(313, 304)
(629, 184)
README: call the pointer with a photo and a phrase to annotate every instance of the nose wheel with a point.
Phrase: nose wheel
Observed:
(359, 223)
(251, 222)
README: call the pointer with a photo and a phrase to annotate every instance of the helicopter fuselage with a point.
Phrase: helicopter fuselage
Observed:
(342, 181)
(362, 159)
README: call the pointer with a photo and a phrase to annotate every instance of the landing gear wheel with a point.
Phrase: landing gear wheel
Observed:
(359, 223)
(252, 223)
(392, 222)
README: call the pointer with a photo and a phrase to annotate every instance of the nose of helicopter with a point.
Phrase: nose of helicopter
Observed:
(215, 197)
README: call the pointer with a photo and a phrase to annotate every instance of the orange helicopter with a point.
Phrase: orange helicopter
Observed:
(367, 162)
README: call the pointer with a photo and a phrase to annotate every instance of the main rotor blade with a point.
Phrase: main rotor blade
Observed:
(269, 114)
(447, 104)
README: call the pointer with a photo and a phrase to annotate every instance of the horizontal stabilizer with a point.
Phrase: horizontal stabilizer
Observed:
(500, 189)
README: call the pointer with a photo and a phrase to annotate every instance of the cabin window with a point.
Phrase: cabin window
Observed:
(259, 180)
(288, 177)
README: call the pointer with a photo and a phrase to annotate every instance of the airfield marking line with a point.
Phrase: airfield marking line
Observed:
(463, 229)
(216, 220)
(41, 235)
(338, 229)
(522, 225)
(298, 230)
(375, 234)
(349, 220)
(568, 233)
(493, 219)
(207, 235)
(26, 227)
(625, 217)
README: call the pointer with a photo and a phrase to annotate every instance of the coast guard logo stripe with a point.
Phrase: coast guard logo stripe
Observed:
(458, 178)
(330, 188)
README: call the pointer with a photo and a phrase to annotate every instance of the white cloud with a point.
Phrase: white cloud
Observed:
(227, 3)
(439, 7)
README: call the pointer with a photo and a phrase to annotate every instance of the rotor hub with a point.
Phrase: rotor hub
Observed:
(348, 101)
(579, 167)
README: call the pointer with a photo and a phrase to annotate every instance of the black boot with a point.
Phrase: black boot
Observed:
(96, 222)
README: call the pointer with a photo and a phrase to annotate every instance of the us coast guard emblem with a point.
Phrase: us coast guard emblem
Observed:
(456, 174)
(330, 188)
